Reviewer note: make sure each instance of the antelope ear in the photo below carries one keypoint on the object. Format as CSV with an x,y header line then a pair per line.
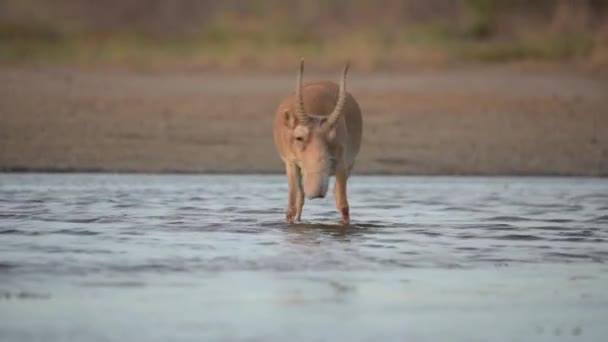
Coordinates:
x,y
289,120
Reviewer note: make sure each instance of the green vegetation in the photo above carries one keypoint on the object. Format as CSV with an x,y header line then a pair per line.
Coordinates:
x,y
484,14
551,48
271,37
465,45
33,42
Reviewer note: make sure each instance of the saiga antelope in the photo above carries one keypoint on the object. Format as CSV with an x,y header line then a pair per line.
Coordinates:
x,y
317,132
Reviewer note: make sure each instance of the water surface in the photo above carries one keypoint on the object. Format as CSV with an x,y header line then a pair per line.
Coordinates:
x,y
101,257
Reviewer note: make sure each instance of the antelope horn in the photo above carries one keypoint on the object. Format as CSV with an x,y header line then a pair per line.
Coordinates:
x,y
335,115
303,119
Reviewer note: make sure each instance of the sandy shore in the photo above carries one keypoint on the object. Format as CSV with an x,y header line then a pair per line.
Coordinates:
x,y
478,121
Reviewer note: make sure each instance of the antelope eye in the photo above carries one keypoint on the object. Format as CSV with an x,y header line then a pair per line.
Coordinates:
x,y
300,138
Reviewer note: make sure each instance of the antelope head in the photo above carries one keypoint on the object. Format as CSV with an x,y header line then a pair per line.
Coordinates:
x,y
313,139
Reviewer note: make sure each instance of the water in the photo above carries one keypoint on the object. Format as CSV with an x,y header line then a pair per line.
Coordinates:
x,y
191,258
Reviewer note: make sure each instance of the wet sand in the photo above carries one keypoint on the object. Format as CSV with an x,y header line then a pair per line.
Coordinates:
x,y
485,121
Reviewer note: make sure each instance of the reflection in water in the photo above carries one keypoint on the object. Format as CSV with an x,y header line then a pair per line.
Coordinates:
x,y
340,232
209,257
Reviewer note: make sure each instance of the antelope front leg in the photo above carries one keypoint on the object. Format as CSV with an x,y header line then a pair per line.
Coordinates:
x,y
300,198
292,180
340,192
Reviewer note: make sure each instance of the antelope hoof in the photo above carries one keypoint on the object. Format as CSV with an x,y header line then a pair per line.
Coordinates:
x,y
345,216
289,216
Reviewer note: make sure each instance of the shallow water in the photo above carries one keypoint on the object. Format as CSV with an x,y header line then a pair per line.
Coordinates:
x,y
156,258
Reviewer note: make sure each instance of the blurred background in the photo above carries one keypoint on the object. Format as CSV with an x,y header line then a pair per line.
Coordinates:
x,y
446,87
269,35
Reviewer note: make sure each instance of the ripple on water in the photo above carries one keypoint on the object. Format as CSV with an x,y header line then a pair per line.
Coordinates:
x,y
599,219
73,219
547,228
197,199
151,268
509,218
577,233
188,208
384,206
379,245
433,226
392,240
255,211
251,230
120,284
273,224
557,220
6,266
267,243
83,232
24,295
488,227
74,250
124,205
564,255
425,231
518,237
244,220
14,216
19,232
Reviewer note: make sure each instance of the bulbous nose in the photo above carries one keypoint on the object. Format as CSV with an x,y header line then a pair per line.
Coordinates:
x,y
315,185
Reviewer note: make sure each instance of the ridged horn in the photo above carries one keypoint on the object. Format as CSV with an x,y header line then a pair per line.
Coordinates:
x,y
303,119
335,115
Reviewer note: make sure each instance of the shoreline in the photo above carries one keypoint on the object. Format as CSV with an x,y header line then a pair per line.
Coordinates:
x,y
470,121
276,173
